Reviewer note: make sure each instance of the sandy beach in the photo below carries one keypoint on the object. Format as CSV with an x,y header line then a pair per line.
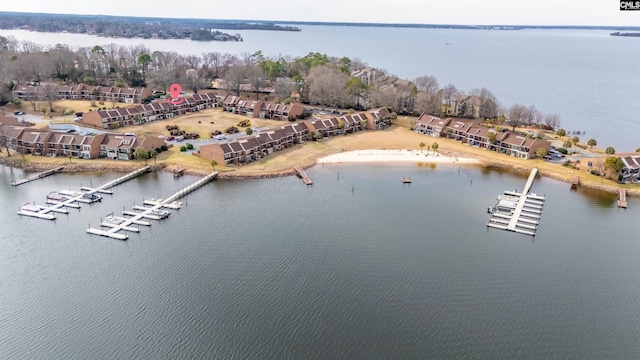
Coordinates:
x,y
375,156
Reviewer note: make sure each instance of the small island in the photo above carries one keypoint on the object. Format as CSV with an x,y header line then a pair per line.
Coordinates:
x,y
630,34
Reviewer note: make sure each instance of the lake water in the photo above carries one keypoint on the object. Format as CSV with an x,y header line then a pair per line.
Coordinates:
x,y
357,266
585,76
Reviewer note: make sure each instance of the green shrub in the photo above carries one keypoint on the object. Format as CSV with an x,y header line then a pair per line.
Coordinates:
x,y
158,150
189,146
183,148
562,150
595,172
164,148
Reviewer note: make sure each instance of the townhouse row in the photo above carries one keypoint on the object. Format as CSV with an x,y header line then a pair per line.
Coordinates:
x,y
468,132
82,92
156,110
263,109
630,171
252,148
39,142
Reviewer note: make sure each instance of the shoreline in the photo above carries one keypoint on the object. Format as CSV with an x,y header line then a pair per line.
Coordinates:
x,y
371,156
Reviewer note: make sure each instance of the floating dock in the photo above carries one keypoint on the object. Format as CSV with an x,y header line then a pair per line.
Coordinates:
x,y
406,180
147,212
622,198
89,195
518,212
303,175
37,176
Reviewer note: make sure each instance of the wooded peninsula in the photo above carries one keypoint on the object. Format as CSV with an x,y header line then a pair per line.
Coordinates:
x,y
134,27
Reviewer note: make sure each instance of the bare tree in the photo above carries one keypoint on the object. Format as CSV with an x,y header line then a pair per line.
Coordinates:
x,y
227,60
427,83
211,64
256,77
234,78
50,94
284,88
382,97
4,140
488,103
517,115
552,121
326,85
531,115
194,83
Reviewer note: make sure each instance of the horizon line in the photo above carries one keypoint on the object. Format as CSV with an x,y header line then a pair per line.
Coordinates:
x,y
337,23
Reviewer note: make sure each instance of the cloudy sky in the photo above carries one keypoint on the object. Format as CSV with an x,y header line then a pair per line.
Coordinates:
x,y
529,12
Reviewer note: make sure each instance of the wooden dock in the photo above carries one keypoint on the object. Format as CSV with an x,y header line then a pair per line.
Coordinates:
x,y
148,212
575,182
518,212
622,198
303,175
37,176
178,172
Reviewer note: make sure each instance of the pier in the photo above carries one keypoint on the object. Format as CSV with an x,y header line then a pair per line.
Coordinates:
x,y
118,181
37,176
622,199
154,211
303,175
518,211
178,172
72,198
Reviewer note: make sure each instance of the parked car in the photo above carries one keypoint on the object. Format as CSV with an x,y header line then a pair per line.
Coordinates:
x,y
170,138
547,157
19,113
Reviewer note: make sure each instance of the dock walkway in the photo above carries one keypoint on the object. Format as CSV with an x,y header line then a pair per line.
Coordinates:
x,y
522,216
148,212
44,212
37,176
303,175
622,198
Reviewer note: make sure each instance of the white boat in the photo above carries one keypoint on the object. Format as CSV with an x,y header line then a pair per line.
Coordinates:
x,y
57,197
113,220
31,208
70,193
92,196
160,213
86,197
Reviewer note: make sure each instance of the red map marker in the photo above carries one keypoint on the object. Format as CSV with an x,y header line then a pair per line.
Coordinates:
x,y
175,90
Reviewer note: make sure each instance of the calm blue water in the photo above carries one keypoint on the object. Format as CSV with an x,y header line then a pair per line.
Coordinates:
x,y
356,266
585,76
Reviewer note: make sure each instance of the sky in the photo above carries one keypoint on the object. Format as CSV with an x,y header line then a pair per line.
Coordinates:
x,y
471,12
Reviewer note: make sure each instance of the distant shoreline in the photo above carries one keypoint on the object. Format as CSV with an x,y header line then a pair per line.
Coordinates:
x,y
258,24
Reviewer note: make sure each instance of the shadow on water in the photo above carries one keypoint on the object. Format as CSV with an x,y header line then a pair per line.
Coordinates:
x,y
597,197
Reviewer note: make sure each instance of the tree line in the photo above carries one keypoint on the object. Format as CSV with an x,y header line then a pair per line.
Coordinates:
x,y
315,78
